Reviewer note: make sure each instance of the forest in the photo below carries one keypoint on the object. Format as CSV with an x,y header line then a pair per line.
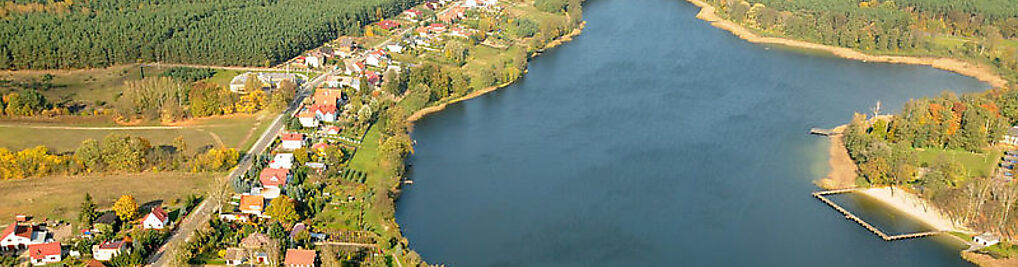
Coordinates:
x,y
85,34
982,30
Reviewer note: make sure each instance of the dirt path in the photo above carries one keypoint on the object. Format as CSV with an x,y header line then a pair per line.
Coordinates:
x,y
978,71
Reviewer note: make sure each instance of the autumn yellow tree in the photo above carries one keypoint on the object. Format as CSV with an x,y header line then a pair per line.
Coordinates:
x,y
282,209
252,102
126,208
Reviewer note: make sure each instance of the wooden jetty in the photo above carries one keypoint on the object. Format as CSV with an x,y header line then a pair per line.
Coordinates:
x,y
824,132
848,215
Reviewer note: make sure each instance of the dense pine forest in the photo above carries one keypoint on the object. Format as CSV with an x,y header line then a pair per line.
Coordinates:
x,y
983,30
43,34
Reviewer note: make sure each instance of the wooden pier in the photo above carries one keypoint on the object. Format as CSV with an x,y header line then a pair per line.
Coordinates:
x,y
848,215
824,132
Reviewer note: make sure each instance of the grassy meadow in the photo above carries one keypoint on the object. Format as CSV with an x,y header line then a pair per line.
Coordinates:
x,y
59,196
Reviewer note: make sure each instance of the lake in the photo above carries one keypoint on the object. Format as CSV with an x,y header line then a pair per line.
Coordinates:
x,y
654,139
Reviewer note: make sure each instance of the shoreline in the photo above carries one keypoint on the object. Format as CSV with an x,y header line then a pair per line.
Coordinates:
x,y
913,206
432,109
977,71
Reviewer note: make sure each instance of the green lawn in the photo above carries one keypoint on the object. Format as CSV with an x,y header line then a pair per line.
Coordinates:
x,y
60,196
977,164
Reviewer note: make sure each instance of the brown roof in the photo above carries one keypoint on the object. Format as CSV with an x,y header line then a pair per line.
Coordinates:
x,y
160,214
255,240
234,254
292,137
273,177
299,257
95,263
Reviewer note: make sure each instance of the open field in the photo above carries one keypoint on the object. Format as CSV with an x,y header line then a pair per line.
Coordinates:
x,y
85,85
233,131
59,196
976,164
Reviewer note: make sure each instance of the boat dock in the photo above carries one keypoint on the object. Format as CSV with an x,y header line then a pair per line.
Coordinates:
x,y
848,215
824,132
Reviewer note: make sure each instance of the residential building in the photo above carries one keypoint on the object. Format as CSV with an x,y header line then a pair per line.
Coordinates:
x,y
326,112
291,141
273,177
300,258
1011,138
388,24
235,256
20,236
307,118
254,244
109,249
252,204
45,253
986,239
282,160
157,219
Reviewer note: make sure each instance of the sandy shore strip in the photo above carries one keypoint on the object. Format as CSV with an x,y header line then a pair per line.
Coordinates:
x,y
910,204
428,110
978,71
842,174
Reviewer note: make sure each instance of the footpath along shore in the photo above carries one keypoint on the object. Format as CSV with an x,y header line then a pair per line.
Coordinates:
x,y
978,71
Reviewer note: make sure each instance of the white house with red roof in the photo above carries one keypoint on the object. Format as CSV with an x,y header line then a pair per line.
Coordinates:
x,y
292,141
333,130
273,180
325,112
282,160
157,219
45,253
109,249
307,118
413,14
19,236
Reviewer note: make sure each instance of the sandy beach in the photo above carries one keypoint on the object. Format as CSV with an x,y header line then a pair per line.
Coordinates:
x,y
910,204
978,71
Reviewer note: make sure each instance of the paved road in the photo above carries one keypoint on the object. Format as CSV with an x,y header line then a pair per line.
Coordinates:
x,y
205,210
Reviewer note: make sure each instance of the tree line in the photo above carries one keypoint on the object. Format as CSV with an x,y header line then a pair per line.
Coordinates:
x,y
224,32
114,153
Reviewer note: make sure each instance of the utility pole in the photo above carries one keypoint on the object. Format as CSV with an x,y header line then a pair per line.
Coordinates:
x,y
876,109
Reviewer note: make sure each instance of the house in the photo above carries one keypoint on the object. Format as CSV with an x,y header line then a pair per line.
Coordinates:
x,y
1011,138
157,219
109,219
234,217
252,204
272,177
394,48
318,167
374,78
307,118
346,45
292,141
479,3
326,112
282,160
95,263
300,258
235,256
374,60
333,130
986,239
313,61
254,244
20,236
437,27
388,24
460,32
45,253
109,249
268,80
413,14
328,96
453,14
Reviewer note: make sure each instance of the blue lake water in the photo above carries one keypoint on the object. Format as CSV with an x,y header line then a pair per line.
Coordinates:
x,y
655,139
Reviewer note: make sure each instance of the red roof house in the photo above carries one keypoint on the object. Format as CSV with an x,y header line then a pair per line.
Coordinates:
x,y
157,219
299,258
273,177
388,24
44,253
